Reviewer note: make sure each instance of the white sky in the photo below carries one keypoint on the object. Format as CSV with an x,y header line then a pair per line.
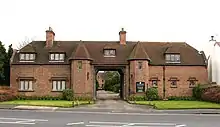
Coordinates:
x,y
191,21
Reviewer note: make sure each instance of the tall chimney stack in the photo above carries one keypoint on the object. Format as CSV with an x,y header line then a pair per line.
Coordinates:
x,y
49,37
122,37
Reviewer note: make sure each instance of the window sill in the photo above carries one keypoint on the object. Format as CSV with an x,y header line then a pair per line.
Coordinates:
x,y
54,61
30,61
26,90
155,86
57,91
109,56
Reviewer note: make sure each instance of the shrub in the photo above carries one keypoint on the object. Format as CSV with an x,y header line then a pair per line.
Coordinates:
x,y
68,94
137,98
152,94
197,92
187,98
211,94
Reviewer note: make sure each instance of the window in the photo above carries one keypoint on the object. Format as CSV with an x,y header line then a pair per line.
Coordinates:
x,y
109,53
173,58
27,57
57,57
139,65
173,82
154,83
87,75
58,85
26,85
192,81
80,65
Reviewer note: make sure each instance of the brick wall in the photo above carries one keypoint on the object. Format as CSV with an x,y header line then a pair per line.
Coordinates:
x,y
42,75
82,79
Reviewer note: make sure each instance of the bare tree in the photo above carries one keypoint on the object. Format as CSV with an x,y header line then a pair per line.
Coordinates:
x,y
25,42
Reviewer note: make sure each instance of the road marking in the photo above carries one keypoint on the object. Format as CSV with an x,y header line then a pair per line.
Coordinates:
x,y
20,121
69,124
126,124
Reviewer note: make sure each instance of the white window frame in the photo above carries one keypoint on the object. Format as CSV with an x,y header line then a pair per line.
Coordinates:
x,y
57,57
58,85
26,85
172,58
109,52
27,57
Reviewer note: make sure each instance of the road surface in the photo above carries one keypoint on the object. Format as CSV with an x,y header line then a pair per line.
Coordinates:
x,y
19,118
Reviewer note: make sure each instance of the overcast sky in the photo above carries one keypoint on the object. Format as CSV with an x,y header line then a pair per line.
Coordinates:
x,y
191,21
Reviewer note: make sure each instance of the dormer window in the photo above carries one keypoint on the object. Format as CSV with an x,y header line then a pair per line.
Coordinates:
x,y
109,52
172,58
27,57
57,57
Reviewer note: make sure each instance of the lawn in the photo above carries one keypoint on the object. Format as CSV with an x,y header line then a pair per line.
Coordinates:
x,y
180,104
54,103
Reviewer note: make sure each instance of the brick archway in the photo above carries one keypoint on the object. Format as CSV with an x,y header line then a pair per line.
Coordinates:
x,y
123,79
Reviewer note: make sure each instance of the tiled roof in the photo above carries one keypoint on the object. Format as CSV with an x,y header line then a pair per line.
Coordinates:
x,y
153,51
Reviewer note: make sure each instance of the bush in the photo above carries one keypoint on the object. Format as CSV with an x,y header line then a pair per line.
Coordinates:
x,y
7,94
137,98
211,94
23,97
152,94
187,98
197,92
68,94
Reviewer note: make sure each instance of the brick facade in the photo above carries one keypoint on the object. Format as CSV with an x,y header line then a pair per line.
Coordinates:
x,y
74,64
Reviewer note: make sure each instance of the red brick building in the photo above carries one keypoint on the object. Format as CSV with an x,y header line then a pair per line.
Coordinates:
x,y
47,67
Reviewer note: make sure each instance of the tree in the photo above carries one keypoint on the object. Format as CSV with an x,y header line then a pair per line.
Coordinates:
x,y
112,81
3,58
7,65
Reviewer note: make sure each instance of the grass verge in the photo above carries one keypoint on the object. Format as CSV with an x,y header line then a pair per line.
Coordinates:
x,y
180,104
52,103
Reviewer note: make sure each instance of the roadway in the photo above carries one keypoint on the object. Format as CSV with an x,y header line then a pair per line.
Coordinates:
x,y
37,118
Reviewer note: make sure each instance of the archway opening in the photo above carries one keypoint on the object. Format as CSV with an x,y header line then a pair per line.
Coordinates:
x,y
109,85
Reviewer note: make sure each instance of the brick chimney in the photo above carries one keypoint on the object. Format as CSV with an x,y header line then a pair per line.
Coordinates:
x,y
122,37
49,37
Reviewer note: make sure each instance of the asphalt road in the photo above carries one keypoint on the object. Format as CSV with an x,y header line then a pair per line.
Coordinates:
x,y
22,118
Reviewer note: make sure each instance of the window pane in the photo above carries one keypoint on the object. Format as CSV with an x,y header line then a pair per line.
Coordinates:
x,y
106,52
21,85
112,52
168,57
54,85
154,83
63,85
22,56
51,56
172,57
31,56
61,56
56,56
30,85
58,85
177,58
139,65
27,57
26,85
79,64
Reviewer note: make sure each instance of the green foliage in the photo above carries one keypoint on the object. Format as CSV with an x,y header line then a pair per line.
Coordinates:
x,y
197,92
97,84
23,97
68,94
186,98
112,81
5,64
152,94
137,98
211,94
